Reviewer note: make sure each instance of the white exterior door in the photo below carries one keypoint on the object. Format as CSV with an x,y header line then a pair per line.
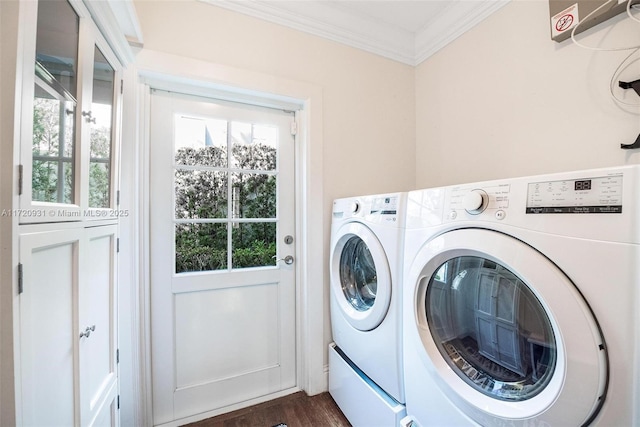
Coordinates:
x,y
222,214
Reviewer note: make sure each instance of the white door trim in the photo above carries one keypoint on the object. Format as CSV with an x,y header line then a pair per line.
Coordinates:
x,y
158,69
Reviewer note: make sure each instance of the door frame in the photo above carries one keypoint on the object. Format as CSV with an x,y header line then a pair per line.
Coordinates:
x,y
170,72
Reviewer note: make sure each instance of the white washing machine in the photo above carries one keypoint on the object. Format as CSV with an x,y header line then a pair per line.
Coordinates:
x,y
521,301
365,272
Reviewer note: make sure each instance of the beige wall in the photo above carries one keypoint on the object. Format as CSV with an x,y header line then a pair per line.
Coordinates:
x,y
369,107
504,100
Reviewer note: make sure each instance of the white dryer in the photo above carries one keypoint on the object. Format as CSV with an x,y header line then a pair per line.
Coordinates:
x,y
365,272
521,301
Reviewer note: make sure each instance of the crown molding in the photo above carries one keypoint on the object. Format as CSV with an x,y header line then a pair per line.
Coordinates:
x,y
329,21
118,22
323,20
456,20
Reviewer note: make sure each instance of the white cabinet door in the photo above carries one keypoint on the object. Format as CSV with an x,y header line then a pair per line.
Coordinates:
x,y
67,334
48,337
97,324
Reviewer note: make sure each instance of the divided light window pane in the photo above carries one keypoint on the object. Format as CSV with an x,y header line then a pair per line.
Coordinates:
x,y
254,195
253,146
55,102
200,194
200,142
201,247
254,245
101,132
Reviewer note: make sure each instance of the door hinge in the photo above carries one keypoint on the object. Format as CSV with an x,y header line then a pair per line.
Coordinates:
x,y
118,356
20,279
121,86
118,245
294,128
118,198
20,179
118,402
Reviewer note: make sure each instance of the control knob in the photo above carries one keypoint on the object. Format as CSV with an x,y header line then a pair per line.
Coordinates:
x,y
355,207
475,201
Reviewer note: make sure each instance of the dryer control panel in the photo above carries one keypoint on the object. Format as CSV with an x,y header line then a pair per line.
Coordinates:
x,y
379,209
383,209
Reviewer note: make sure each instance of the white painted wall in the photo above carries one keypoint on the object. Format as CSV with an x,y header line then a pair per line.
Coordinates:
x,y
368,101
504,100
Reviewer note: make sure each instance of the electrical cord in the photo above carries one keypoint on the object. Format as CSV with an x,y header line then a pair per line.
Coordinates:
x,y
586,18
626,63
629,6
616,74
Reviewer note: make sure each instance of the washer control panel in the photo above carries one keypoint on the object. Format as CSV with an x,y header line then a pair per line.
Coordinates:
x,y
491,199
576,196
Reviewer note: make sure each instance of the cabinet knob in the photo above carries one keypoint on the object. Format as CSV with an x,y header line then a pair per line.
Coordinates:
x,y
88,117
87,331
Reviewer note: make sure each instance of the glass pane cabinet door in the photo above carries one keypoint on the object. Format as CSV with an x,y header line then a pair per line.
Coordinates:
x,y
53,143
101,119
68,168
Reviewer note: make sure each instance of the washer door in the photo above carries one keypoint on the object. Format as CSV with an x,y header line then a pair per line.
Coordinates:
x,y
360,276
506,335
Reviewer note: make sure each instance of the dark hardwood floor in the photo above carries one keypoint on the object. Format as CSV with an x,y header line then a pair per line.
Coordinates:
x,y
294,410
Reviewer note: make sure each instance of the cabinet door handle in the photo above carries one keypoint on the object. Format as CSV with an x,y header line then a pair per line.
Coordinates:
x,y
87,331
88,117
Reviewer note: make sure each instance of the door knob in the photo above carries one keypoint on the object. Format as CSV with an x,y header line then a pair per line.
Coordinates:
x,y
287,260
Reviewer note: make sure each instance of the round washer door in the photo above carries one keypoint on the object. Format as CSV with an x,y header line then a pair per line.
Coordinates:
x,y
506,335
360,276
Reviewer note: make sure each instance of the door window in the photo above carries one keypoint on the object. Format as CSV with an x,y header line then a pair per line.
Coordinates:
x,y
225,194
490,328
358,275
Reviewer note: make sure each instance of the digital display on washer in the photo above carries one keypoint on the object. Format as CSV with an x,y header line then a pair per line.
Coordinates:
x,y
579,196
582,185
